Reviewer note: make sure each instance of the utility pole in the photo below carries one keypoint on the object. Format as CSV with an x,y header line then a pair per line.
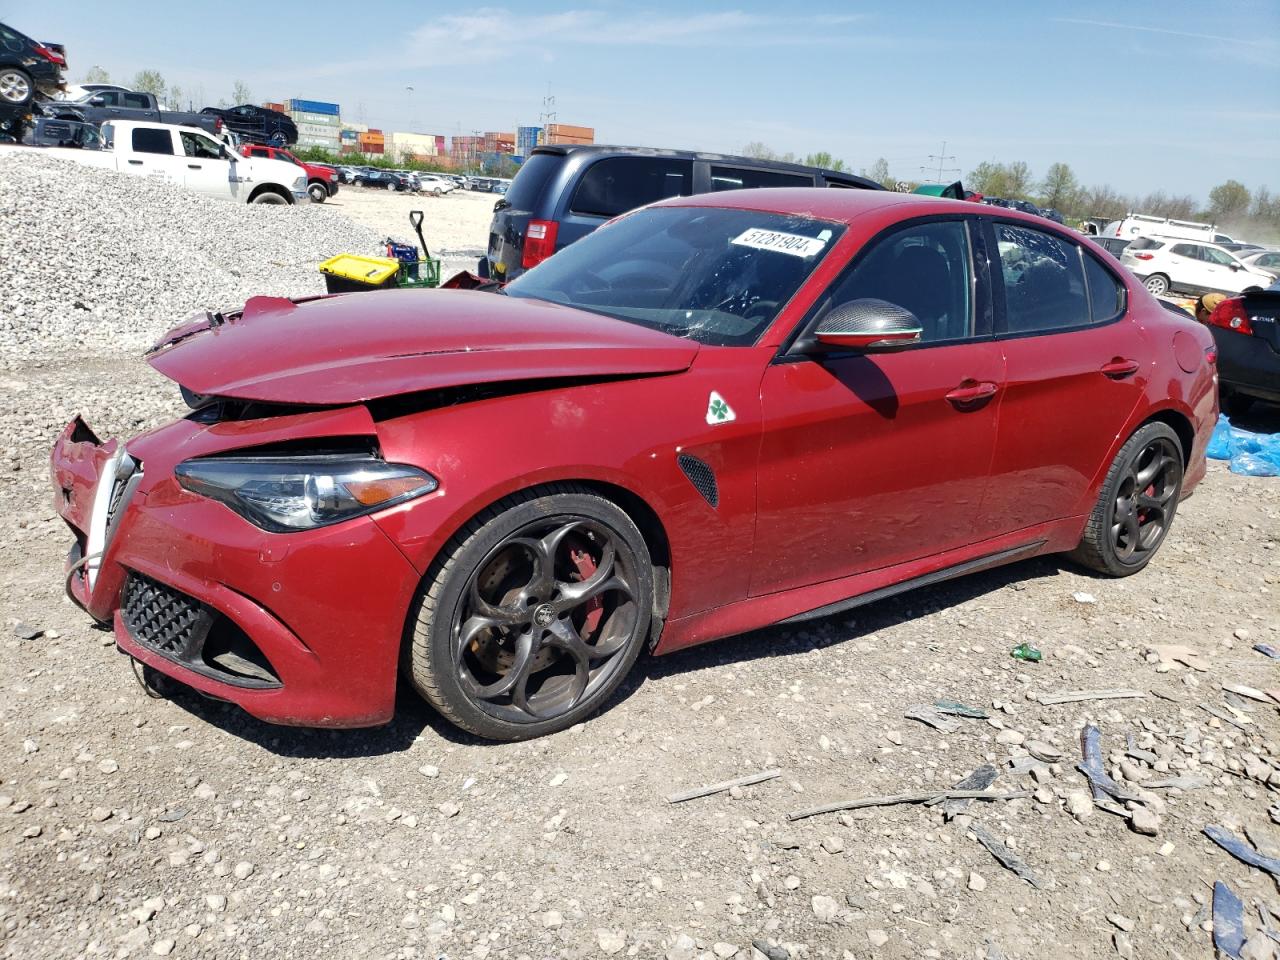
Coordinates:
x,y
942,159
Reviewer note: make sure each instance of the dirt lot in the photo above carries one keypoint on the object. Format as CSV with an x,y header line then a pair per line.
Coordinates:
x,y
177,826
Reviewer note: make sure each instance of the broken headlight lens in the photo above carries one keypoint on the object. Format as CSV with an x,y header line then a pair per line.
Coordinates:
x,y
281,494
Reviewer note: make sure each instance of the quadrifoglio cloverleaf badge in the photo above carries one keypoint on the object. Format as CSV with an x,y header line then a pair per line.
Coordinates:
x,y
718,410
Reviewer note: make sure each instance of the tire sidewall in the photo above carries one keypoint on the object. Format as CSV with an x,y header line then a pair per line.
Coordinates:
x,y
31,89
1132,447
1164,282
473,552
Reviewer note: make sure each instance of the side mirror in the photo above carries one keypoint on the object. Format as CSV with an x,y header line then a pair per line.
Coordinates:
x,y
97,101
867,324
1235,267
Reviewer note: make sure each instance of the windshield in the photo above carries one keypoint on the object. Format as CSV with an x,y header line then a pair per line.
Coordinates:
x,y
716,276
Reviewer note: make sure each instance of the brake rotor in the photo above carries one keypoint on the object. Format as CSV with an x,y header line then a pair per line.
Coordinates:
x,y
494,649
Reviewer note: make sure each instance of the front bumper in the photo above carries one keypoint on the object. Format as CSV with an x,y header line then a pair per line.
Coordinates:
x,y
1247,364
319,614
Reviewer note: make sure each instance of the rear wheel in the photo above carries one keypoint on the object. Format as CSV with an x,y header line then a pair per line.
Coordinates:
x,y
1157,283
532,615
1136,505
16,88
391,185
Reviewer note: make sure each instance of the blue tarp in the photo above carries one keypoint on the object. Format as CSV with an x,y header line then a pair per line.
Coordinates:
x,y
1253,454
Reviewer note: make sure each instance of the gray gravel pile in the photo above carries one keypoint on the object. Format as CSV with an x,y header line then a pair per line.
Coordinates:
x,y
96,262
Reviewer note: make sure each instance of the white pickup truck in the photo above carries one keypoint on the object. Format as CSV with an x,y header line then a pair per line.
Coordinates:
x,y
190,157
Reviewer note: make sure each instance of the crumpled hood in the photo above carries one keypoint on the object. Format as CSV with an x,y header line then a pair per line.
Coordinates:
x,y
357,347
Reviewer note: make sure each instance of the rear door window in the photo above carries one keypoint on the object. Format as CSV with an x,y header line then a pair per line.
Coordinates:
x,y
151,140
745,178
618,184
1044,287
1186,250
137,101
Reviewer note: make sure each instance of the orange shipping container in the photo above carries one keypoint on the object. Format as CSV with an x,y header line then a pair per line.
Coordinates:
x,y
568,130
277,107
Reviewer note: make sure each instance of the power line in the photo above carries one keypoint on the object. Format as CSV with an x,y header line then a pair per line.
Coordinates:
x,y
942,158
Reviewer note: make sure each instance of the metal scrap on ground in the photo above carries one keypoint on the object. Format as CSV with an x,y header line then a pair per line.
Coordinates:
x,y
746,781
1240,690
960,709
1176,783
1007,857
1228,920
932,717
1075,696
1225,717
1241,850
936,796
1267,650
1099,781
1176,653
979,779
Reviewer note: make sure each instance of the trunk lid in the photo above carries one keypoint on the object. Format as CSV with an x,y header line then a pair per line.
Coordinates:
x,y
357,347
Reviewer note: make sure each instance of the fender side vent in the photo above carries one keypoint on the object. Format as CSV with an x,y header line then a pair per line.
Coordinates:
x,y
701,476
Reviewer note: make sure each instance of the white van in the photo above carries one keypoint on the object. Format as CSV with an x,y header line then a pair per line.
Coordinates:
x,y
1140,225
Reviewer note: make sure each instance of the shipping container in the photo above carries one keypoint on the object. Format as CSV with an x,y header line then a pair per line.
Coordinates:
x,y
318,130
371,148
319,119
370,137
568,130
350,135
277,107
314,106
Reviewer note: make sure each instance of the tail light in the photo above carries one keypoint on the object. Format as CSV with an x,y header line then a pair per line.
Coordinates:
x,y
539,242
50,55
1211,354
1231,315
1143,256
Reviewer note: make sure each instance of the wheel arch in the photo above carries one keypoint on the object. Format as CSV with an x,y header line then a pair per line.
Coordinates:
x,y
1180,423
1176,419
271,188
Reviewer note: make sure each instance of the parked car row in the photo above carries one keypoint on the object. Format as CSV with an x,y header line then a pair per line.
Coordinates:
x,y
404,181
1169,264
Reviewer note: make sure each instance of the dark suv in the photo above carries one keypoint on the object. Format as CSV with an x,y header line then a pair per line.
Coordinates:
x,y
258,125
562,193
28,68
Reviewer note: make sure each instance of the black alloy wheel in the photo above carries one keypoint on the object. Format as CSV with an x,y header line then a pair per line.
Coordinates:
x,y
533,618
1136,505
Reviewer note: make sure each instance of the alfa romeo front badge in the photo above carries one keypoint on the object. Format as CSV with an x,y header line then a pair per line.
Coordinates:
x,y
718,411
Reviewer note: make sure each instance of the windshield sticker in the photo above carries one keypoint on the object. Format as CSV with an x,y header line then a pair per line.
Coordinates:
x,y
718,411
791,243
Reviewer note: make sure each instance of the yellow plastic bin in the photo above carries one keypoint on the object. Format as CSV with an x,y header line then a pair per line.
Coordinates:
x,y
351,273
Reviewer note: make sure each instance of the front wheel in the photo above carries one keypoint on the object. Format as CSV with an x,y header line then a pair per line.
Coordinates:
x,y
1136,504
1158,284
319,193
16,88
270,197
532,615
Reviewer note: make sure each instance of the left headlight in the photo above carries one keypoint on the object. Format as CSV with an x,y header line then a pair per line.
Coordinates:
x,y
281,494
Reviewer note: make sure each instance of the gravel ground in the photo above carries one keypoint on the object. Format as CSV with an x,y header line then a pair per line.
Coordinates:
x,y
178,826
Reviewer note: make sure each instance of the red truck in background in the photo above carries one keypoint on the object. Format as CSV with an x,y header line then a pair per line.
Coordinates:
x,y
322,182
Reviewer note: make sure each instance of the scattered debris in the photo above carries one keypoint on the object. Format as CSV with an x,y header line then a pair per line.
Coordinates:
x,y
1171,653
24,631
1267,650
960,710
1005,856
746,781
771,951
979,779
1176,783
1241,850
1081,597
1226,717
1043,751
936,796
1144,821
930,716
1228,920
1250,693
1099,781
1026,652
1075,696
173,816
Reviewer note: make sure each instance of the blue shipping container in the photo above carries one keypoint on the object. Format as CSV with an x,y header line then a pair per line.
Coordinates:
x,y
314,106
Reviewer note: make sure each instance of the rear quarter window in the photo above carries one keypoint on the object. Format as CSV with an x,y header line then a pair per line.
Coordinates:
x,y
1106,293
618,184
1145,243
531,179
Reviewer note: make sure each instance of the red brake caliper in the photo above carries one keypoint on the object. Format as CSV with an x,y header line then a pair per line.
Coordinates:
x,y
595,606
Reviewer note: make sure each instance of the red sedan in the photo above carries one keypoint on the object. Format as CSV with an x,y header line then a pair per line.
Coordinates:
x,y
713,414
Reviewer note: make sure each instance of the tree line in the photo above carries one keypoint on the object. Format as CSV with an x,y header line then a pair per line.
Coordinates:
x,y
1060,189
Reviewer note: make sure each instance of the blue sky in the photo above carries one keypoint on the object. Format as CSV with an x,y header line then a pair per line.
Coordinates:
x,y
1177,102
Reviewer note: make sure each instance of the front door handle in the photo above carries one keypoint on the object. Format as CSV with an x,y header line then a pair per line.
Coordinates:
x,y
1120,367
972,392
194,166
136,163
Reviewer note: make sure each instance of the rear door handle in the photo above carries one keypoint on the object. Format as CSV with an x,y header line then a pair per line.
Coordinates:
x,y
194,166
1120,367
972,391
136,163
